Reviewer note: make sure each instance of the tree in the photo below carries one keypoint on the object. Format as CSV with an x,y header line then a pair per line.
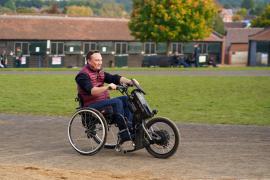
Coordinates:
x,y
227,6
53,9
4,10
78,11
240,15
263,20
242,12
218,25
29,3
237,18
127,4
248,4
10,4
112,10
24,10
171,20
259,7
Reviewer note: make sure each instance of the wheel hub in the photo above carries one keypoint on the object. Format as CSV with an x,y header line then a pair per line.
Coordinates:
x,y
162,137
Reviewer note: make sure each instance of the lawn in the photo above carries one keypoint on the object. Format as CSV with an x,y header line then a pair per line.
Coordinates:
x,y
229,68
214,100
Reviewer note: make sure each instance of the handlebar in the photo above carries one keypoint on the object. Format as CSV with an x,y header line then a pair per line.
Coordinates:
x,y
124,87
120,87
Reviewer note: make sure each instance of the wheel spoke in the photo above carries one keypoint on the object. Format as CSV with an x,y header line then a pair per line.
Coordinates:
x,y
87,131
165,136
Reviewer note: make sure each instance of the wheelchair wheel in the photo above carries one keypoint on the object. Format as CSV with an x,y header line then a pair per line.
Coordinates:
x,y
87,131
165,137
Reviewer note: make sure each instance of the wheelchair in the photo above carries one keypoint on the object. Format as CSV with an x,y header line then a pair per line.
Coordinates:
x,y
90,130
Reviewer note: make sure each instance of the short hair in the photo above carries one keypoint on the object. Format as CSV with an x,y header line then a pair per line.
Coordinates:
x,y
90,53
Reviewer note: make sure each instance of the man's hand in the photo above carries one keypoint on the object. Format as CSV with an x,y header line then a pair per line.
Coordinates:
x,y
124,80
128,81
136,81
112,86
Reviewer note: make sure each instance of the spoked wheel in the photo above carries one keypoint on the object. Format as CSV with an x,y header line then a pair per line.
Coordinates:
x,y
87,131
165,137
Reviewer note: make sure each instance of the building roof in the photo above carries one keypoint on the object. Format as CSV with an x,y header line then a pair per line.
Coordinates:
x,y
214,37
14,27
234,25
263,35
63,28
240,35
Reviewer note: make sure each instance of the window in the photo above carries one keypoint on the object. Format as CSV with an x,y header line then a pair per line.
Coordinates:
x,y
135,47
57,48
214,48
177,47
106,47
3,44
24,47
263,46
121,48
90,46
203,48
150,48
161,48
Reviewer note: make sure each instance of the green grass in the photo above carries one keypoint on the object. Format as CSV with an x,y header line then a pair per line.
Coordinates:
x,y
145,69
214,100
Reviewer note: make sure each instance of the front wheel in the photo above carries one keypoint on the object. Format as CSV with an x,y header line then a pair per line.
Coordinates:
x,y
165,137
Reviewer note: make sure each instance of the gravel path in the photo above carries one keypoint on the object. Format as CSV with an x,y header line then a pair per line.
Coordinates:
x,y
205,152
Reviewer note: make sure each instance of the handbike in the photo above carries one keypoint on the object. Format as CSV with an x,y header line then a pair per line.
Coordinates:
x,y
90,130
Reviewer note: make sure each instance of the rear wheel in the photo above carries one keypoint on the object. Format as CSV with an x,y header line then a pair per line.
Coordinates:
x,y
87,131
165,137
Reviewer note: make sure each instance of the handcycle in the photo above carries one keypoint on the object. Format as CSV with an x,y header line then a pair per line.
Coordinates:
x,y
90,130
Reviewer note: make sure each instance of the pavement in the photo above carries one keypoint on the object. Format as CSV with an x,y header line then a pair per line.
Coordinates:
x,y
205,151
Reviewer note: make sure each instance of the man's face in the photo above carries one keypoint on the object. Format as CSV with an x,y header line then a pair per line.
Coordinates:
x,y
95,61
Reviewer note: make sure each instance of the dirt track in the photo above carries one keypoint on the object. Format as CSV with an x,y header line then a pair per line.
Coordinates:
x,y
37,147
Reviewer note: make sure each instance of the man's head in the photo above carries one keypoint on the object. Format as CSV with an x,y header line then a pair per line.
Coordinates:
x,y
94,60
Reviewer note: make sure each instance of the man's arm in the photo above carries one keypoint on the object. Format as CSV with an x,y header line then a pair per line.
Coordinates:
x,y
125,81
98,90
84,82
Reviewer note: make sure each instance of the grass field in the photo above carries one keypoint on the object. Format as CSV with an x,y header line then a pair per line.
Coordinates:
x,y
215,100
229,68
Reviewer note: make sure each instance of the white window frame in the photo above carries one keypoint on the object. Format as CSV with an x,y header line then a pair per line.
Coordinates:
x,y
57,43
205,46
177,47
121,48
150,43
90,46
21,45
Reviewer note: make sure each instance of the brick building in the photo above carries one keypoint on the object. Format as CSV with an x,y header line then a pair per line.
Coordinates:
x,y
237,40
259,48
59,41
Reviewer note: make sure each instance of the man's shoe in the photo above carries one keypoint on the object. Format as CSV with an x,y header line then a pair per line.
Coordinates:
x,y
123,136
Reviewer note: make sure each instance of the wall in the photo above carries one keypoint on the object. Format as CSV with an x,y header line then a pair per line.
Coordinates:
x,y
238,54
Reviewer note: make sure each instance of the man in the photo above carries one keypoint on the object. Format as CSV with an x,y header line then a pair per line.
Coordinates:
x,y
18,58
94,93
196,55
3,58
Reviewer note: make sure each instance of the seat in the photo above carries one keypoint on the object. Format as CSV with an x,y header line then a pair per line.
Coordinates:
x,y
107,111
